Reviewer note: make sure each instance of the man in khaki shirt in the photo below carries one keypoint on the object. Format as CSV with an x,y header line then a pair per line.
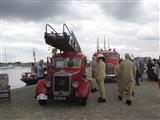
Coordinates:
x,y
128,75
90,78
93,67
100,76
118,75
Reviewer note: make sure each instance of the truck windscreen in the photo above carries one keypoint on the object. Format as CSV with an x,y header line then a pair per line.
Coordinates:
x,y
66,62
111,56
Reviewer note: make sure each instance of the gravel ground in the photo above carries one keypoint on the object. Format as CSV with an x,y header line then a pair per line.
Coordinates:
x,y
146,106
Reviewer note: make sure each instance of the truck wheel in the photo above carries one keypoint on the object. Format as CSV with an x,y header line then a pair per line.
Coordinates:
x,y
42,102
83,101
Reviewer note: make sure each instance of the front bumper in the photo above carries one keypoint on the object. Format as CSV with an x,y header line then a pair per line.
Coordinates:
x,y
42,97
110,75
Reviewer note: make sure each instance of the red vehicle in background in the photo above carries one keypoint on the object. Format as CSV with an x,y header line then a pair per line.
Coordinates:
x,y
65,70
111,60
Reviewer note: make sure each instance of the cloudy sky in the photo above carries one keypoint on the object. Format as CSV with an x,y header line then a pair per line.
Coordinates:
x,y
131,26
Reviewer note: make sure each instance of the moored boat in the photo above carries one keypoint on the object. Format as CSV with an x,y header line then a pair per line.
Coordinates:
x,y
29,78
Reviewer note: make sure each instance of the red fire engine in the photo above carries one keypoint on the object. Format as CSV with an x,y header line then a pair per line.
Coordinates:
x,y
65,77
111,60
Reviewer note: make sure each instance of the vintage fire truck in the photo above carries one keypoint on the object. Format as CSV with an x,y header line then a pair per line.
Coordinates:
x,y
112,58
65,79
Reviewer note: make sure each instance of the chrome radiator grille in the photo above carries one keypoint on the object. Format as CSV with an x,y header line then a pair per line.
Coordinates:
x,y
109,69
61,83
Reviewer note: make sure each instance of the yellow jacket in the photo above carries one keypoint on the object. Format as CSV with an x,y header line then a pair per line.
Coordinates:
x,y
93,67
88,73
117,71
100,70
128,70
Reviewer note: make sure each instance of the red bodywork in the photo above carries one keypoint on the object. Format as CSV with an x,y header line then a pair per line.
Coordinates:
x,y
74,74
40,88
111,60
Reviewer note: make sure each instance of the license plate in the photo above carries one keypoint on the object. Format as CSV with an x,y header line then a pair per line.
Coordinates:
x,y
59,98
42,97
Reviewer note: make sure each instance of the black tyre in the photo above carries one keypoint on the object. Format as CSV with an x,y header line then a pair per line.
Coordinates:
x,y
42,102
83,101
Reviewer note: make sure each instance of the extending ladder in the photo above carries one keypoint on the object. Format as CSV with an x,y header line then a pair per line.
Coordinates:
x,y
65,41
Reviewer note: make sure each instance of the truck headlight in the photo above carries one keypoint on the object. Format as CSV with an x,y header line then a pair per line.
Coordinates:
x,y
75,84
47,84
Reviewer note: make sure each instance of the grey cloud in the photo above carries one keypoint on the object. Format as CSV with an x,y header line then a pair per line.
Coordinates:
x,y
148,34
121,10
36,10
155,38
130,11
54,10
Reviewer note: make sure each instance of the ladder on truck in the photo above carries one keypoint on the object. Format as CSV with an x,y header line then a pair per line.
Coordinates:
x,y
65,41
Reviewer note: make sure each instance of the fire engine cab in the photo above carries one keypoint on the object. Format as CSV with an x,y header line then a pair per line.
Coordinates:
x,y
111,60
65,77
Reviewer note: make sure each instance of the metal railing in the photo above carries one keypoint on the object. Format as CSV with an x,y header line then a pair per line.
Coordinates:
x,y
66,33
65,26
54,32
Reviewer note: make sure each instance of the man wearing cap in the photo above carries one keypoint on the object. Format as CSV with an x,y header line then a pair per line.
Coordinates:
x,y
128,75
100,76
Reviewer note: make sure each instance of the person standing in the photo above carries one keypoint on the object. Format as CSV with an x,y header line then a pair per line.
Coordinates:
x,y
138,72
141,68
90,78
158,73
100,76
40,70
118,74
150,70
128,75
93,68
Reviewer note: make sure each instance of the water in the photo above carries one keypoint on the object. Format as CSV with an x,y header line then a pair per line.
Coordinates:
x,y
15,76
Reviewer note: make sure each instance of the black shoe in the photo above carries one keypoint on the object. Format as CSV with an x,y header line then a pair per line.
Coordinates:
x,y
128,102
96,90
101,100
93,90
120,98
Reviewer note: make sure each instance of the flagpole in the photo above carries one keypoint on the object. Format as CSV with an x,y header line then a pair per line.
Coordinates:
x,y
104,43
34,55
98,44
